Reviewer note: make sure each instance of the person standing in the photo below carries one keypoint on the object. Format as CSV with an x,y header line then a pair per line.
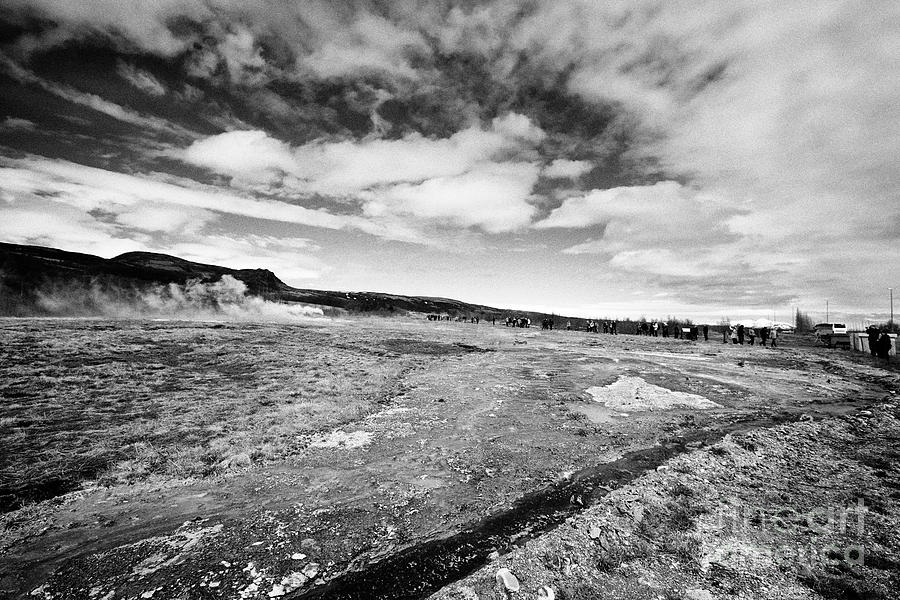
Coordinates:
x,y
734,335
706,333
751,335
872,332
740,335
773,335
884,346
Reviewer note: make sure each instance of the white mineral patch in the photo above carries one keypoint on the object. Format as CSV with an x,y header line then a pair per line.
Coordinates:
x,y
635,394
342,439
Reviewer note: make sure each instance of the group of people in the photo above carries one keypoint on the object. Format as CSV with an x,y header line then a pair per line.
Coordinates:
x,y
610,327
458,319
879,342
738,334
519,322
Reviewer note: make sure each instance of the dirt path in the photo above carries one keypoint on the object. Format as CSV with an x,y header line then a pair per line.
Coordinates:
x,y
448,426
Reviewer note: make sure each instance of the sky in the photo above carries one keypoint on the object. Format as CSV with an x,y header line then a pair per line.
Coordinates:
x,y
700,159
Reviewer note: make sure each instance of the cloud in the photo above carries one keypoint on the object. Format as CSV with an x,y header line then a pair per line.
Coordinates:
x,y
64,227
369,44
475,178
250,156
141,24
291,259
15,123
93,101
346,167
90,188
562,168
140,79
164,218
666,212
493,197
771,128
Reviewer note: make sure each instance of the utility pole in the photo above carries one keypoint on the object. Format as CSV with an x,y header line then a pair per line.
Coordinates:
x,y
826,312
891,322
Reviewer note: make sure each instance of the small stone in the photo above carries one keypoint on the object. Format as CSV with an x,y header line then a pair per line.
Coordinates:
x,y
311,570
546,593
510,582
298,556
595,532
698,594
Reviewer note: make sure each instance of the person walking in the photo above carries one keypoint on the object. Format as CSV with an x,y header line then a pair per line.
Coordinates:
x,y
706,333
773,335
741,335
751,335
734,335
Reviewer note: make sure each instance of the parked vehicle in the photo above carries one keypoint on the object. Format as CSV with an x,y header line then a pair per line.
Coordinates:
x,y
830,328
832,335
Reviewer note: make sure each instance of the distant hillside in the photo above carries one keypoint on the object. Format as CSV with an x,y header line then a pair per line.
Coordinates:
x,y
28,272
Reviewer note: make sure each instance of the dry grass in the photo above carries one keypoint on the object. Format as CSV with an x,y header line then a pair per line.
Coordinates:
x,y
126,401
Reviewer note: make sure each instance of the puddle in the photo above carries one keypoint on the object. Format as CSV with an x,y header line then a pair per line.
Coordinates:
x,y
629,394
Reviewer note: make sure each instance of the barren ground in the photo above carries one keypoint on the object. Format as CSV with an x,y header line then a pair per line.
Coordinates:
x,y
388,458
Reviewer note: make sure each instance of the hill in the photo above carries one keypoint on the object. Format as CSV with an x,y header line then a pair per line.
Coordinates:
x,y
28,273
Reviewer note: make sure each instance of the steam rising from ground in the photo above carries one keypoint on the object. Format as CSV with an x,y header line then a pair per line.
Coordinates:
x,y
225,299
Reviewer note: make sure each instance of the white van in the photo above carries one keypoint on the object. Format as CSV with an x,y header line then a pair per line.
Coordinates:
x,y
830,329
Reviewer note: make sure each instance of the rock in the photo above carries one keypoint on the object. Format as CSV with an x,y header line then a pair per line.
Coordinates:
x,y
546,593
495,555
507,579
698,594
311,570
595,532
298,556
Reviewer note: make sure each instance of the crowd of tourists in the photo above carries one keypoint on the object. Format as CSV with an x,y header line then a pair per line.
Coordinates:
x,y
738,334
